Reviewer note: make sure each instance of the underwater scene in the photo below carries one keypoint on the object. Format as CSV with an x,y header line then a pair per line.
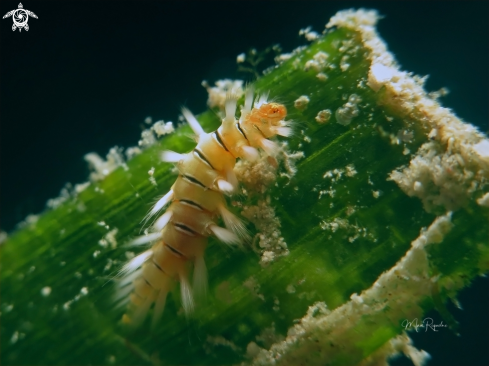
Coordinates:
x,y
244,183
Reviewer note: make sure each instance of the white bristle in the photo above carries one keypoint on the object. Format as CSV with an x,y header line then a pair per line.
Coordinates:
x,y
233,223
270,147
122,294
162,202
200,277
224,235
162,221
171,156
248,102
261,100
135,263
186,293
141,312
231,178
192,121
144,239
230,108
158,308
249,153
283,131
224,186
125,281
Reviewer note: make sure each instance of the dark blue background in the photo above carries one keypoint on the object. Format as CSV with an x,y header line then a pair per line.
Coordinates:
x,y
86,74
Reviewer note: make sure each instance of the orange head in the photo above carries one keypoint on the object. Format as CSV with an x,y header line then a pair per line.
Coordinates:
x,y
268,119
272,113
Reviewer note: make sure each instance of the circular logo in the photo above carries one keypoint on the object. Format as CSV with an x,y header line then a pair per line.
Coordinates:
x,y
20,18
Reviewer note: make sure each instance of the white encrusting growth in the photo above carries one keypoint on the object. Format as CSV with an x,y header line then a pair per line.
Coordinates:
x,y
161,128
441,178
217,94
482,149
318,63
280,59
67,192
309,34
150,136
323,116
29,221
132,151
396,291
46,291
240,58
484,200
322,76
301,102
100,167
109,238
152,179
257,176
345,114
455,164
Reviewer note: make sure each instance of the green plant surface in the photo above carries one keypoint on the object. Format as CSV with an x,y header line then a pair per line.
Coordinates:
x,y
376,222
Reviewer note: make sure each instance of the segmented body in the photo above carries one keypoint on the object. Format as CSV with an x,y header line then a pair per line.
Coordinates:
x,y
196,200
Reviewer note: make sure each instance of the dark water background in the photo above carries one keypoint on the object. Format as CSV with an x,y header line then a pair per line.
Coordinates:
x,y
86,74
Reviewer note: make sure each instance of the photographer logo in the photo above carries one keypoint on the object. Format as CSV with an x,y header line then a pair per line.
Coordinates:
x,y
20,17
